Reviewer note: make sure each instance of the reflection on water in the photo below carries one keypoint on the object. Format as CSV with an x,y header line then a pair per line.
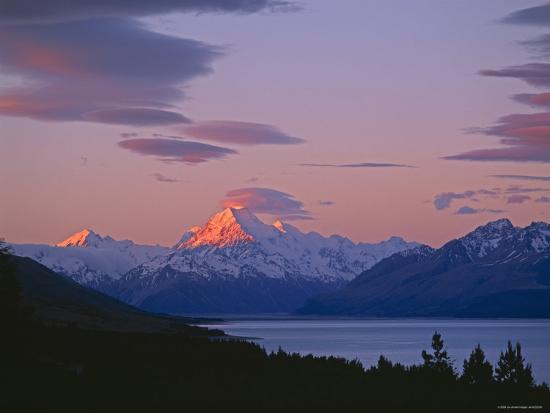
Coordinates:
x,y
401,340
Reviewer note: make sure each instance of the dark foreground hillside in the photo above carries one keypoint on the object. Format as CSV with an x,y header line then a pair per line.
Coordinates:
x,y
47,368
75,370
57,300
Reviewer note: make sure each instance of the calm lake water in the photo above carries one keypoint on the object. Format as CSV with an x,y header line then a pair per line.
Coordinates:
x,y
401,340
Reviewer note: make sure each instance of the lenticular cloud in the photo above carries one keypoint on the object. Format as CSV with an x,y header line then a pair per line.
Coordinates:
x,y
112,71
267,201
173,150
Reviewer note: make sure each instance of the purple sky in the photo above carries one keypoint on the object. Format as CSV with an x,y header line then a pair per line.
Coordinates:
x,y
146,119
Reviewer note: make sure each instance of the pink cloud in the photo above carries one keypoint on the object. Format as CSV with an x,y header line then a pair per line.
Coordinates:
x,y
71,73
466,210
517,199
171,150
267,201
526,136
534,74
534,99
241,133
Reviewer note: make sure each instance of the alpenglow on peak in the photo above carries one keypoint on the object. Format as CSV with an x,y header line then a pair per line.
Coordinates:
x,y
84,238
230,227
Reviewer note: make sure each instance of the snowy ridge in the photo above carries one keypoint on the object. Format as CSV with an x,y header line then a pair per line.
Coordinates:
x,y
233,243
487,238
537,236
237,263
235,240
421,250
89,258
502,238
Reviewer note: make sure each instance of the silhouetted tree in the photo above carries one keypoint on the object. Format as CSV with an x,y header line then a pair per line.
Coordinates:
x,y
439,361
384,364
10,292
13,313
511,368
477,369
6,263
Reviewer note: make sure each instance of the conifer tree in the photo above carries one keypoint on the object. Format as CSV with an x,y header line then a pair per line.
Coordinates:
x,y
477,369
439,361
511,368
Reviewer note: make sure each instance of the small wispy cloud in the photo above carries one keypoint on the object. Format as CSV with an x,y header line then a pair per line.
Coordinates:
x,y
466,210
533,99
444,199
163,178
358,165
517,189
325,203
514,194
136,117
535,16
172,150
522,177
524,136
534,74
517,199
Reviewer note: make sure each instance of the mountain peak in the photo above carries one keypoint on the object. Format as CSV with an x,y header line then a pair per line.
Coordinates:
x,y
230,227
493,228
84,238
280,226
539,226
499,224
488,237
89,238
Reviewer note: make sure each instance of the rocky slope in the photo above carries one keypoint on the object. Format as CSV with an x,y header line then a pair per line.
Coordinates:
x,y
497,270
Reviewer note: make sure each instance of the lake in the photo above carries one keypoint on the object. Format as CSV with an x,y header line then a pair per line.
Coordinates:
x,y
401,340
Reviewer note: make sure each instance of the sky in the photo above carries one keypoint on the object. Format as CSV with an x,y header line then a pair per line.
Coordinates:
x,y
421,119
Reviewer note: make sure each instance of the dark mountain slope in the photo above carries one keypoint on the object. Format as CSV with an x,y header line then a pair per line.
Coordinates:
x,y
495,271
57,300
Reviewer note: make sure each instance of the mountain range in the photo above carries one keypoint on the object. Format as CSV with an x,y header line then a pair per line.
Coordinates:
x,y
89,258
497,270
235,263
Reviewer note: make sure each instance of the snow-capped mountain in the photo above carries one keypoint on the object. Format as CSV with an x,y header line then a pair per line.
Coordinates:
x,y
495,270
234,238
237,263
234,263
89,258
